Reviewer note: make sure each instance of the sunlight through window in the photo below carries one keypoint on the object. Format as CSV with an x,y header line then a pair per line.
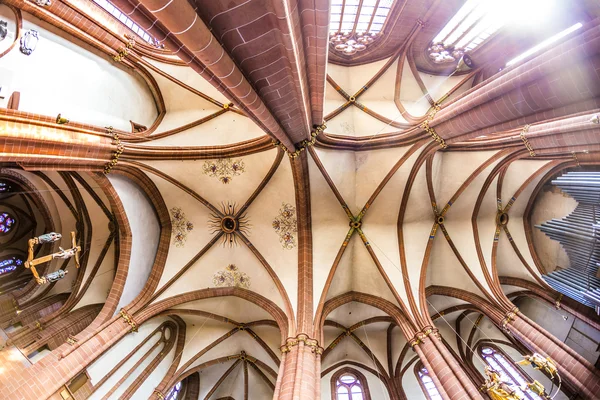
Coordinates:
x,y
477,20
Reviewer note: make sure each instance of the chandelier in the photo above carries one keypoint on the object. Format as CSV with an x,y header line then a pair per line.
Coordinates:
x,y
349,43
441,54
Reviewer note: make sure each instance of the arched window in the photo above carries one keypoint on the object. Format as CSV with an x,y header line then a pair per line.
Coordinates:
x,y
509,372
174,393
426,383
7,222
355,24
349,384
9,264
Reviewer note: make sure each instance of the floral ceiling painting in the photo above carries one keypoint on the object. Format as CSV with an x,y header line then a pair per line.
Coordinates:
x,y
231,276
180,226
224,169
284,225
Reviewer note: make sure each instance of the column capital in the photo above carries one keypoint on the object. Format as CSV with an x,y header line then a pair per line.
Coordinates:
x,y
302,338
509,317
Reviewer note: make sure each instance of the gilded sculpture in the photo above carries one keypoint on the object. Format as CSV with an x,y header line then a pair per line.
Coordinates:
x,y
62,254
498,389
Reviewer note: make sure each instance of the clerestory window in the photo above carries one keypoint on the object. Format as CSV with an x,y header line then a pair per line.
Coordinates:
x,y
355,24
476,21
135,28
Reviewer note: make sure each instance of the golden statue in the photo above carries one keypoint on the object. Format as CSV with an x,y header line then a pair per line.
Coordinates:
x,y
63,254
538,389
538,361
497,388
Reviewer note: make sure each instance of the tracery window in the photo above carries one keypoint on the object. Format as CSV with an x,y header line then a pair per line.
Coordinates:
x,y
7,222
349,386
174,393
427,383
355,24
9,264
135,28
501,363
475,22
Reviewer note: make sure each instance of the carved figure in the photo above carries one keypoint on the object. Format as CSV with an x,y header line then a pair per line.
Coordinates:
x,y
538,361
538,389
3,30
54,276
62,254
497,388
48,237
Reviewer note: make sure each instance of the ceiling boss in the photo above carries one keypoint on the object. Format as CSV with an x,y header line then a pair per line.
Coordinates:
x,y
62,254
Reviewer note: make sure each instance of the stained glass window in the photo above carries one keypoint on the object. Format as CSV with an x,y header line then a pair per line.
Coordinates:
x,y
174,393
5,187
355,24
7,222
349,387
9,264
507,370
427,383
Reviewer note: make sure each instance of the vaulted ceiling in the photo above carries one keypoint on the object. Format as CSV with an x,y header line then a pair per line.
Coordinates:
x,y
253,233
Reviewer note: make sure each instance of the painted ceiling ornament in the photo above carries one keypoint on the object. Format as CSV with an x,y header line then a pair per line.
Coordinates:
x,y
285,226
3,30
181,226
29,42
229,222
224,169
231,276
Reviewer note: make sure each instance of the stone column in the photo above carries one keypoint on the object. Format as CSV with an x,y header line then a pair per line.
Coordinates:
x,y
300,371
450,379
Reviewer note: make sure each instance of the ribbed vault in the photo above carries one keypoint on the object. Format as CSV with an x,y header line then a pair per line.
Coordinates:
x,y
284,212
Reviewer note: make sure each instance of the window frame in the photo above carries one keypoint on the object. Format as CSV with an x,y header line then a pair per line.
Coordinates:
x,y
118,15
484,344
419,366
360,378
360,30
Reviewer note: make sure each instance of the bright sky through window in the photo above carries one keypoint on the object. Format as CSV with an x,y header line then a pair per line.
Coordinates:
x,y
477,20
115,12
